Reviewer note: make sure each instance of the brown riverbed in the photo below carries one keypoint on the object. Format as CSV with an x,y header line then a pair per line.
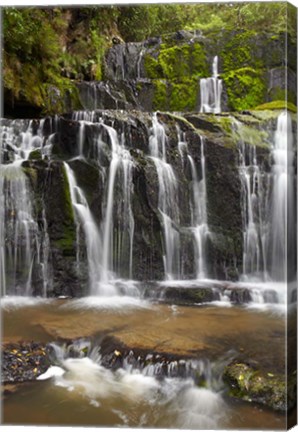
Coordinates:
x,y
199,332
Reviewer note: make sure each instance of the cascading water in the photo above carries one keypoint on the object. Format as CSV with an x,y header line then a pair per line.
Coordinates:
x,y
268,209
167,199
255,198
24,241
210,90
112,255
198,204
86,220
120,175
139,63
199,214
282,239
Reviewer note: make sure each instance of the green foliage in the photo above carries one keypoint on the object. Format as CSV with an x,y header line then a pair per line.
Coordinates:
x,y
245,88
37,65
46,49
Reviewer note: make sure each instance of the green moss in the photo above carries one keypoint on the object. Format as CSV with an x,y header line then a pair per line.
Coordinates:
x,y
182,61
183,96
32,174
277,105
239,52
160,99
252,385
152,67
283,94
176,62
60,97
245,88
67,241
35,155
252,136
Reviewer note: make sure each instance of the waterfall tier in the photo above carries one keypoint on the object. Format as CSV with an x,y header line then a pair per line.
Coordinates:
x,y
97,200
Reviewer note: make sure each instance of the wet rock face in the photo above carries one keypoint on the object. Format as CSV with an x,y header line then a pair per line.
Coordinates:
x,y
54,214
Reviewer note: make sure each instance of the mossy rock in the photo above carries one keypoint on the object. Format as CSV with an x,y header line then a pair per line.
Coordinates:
x,y
35,155
252,385
277,105
189,296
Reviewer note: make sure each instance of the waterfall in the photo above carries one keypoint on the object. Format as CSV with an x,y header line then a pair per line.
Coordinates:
x,y
109,246
210,90
23,241
198,203
199,214
268,205
282,238
167,199
139,63
255,188
119,206
85,220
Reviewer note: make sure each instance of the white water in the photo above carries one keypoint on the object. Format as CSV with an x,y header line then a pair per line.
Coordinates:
x,y
210,90
139,63
268,206
167,199
198,203
199,214
85,220
255,185
120,175
23,244
188,405
110,244
282,238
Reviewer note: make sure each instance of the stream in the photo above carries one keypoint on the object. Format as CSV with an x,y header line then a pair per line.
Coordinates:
x,y
82,391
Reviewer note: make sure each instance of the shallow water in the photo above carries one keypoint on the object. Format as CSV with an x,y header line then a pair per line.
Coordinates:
x,y
83,392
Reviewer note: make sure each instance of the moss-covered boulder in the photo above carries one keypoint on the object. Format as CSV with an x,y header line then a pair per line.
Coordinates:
x,y
273,390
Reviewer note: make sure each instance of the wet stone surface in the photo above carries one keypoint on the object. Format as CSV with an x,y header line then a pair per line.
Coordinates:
x,y
23,362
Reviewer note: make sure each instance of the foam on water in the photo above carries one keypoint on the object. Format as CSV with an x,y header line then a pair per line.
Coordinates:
x,y
115,303
15,302
191,407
